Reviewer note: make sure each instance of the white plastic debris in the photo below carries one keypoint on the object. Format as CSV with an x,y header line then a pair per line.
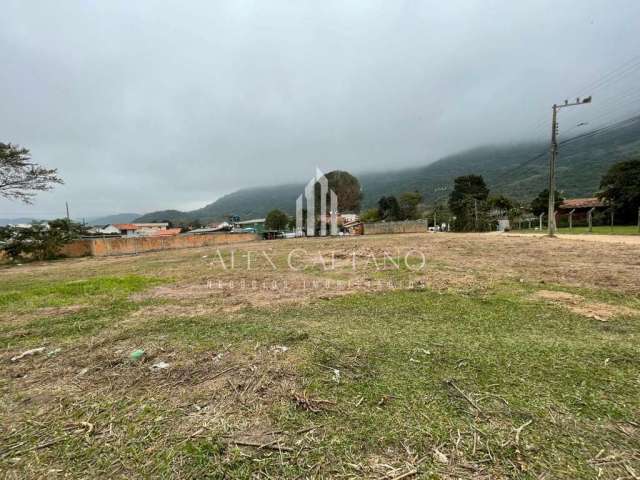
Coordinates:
x,y
28,353
279,349
336,375
53,352
159,366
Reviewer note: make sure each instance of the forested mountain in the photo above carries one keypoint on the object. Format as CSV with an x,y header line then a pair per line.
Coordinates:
x,y
519,171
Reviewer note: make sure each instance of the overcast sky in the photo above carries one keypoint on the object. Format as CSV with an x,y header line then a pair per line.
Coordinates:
x,y
151,105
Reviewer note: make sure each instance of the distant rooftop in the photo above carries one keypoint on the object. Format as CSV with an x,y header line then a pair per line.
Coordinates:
x,y
571,203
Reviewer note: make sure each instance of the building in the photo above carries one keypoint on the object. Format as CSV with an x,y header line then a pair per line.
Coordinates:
x,y
140,229
349,217
104,230
580,207
255,225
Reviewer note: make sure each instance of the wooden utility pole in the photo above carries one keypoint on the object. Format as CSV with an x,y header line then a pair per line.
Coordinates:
x,y
67,205
638,219
475,209
551,221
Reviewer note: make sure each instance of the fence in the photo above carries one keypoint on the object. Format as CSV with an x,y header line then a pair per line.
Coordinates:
x,y
104,247
395,227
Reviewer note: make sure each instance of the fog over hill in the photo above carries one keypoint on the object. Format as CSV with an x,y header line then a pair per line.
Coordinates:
x,y
519,171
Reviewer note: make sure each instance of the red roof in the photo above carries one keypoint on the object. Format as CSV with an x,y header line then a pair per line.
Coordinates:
x,y
581,203
125,226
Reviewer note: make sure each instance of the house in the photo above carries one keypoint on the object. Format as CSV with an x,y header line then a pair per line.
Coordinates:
x,y
125,229
582,203
104,230
580,207
255,225
140,229
349,217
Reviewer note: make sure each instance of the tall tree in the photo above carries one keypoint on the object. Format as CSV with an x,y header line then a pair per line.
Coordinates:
x,y
276,220
468,202
620,188
540,204
409,202
389,208
347,189
20,178
501,204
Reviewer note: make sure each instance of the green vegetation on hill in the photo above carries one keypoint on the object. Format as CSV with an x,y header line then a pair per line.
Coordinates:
x,y
518,171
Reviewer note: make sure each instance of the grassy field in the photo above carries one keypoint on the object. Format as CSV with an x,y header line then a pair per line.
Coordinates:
x,y
597,230
505,357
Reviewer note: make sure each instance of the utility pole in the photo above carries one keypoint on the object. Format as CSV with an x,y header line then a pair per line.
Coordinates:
x,y
551,222
475,208
67,205
638,219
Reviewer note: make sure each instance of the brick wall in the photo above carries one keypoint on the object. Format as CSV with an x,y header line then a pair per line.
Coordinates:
x,y
395,227
102,247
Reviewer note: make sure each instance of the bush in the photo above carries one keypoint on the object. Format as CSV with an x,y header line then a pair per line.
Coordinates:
x,y
39,241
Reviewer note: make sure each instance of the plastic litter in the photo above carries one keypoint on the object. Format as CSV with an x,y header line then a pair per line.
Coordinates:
x,y
137,355
159,366
279,349
28,353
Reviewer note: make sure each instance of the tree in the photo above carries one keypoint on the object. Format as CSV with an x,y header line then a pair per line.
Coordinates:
x,y
347,189
388,208
501,204
409,202
540,204
620,188
20,178
39,241
370,215
468,203
276,220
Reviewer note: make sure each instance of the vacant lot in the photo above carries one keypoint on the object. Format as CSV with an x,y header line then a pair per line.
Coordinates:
x,y
504,357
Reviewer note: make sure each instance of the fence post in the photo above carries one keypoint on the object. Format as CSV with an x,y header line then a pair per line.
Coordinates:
x,y
612,211
541,215
590,219
638,219
571,220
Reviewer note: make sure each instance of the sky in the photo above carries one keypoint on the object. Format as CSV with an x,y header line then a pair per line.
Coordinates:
x,y
151,105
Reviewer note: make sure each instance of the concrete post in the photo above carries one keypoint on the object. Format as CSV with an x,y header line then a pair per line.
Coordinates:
x,y
571,220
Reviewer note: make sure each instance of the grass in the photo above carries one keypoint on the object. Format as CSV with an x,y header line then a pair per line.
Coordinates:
x,y
596,230
437,384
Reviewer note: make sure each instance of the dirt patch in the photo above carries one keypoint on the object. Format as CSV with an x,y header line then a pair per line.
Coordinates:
x,y
580,305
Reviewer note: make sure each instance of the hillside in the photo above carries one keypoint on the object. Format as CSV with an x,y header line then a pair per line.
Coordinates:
x,y
116,218
519,171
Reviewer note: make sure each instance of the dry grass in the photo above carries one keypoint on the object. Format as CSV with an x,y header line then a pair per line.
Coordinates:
x,y
491,363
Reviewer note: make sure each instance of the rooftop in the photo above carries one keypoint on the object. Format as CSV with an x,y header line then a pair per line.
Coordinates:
x,y
571,203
